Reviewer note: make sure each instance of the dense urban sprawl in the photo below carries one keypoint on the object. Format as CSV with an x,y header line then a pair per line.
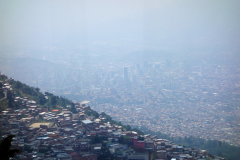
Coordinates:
x,y
178,98
50,134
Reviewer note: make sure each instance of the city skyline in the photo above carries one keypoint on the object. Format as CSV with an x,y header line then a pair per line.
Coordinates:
x,y
171,67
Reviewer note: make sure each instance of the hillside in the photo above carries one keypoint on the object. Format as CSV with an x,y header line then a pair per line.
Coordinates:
x,y
15,90
15,95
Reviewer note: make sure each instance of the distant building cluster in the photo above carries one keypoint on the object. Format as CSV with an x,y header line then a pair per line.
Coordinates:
x,y
178,98
60,134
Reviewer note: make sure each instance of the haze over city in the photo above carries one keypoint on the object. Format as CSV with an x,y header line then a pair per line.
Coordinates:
x,y
169,66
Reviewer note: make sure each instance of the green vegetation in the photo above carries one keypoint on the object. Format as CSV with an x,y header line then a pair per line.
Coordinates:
x,y
211,146
124,140
19,89
2,95
23,90
90,112
105,153
98,139
8,102
3,104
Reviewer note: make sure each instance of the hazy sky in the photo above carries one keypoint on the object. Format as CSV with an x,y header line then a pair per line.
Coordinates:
x,y
139,24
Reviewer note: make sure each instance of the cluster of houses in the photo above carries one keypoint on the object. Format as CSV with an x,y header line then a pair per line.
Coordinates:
x,y
5,88
70,137
61,135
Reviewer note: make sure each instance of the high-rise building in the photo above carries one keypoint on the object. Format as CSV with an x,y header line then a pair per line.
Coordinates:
x,y
125,72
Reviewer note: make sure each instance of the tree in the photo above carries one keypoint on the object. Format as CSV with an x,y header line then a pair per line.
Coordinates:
x,y
10,98
5,148
2,95
97,139
54,100
124,139
73,109
105,153
42,99
128,128
37,89
19,85
95,114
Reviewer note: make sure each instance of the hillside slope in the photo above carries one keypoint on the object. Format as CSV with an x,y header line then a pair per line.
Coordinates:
x,y
15,90
11,91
